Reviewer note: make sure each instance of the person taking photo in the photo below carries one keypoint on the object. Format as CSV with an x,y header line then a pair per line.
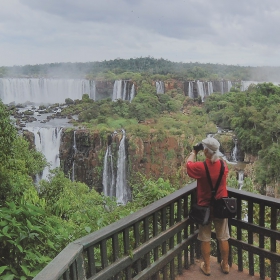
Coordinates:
x,y
196,170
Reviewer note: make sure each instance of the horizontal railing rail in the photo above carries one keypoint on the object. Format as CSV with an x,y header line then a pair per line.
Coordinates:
x,y
159,241
255,234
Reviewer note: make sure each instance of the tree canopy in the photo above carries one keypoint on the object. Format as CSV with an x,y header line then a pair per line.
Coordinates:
x,y
254,117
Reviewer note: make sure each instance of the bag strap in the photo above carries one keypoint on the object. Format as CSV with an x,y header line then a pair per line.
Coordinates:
x,y
214,190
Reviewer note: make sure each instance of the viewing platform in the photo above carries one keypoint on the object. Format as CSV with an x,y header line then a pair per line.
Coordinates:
x,y
194,273
160,242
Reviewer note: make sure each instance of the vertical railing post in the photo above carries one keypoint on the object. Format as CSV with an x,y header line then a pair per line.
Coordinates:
x,y
261,239
250,238
164,248
81,267
186,251
273,225
239,235
179,235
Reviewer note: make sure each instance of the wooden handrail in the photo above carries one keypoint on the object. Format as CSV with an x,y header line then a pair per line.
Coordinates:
x,y
159,240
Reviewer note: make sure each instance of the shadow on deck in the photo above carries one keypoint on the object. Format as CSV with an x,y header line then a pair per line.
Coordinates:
x,y
194,272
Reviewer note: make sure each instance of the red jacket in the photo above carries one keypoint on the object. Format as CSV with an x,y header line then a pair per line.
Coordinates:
x,y
197,171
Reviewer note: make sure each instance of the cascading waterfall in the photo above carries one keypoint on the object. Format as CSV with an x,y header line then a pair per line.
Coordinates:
x,y
92,94
222,87
121,91
200,90
207,88
229,85
160,87
234,152
44,91
124,95
117,90
122,189
47,141
132,93
210,88
240,179
116,185
75,150
109,182
191,90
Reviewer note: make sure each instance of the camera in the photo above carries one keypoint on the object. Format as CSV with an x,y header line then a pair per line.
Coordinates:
x,y
198,147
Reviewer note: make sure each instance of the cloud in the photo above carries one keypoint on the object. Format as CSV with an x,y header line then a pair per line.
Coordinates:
x,y
216,31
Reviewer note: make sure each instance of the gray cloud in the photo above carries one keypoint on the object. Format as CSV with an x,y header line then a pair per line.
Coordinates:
x,y
216,31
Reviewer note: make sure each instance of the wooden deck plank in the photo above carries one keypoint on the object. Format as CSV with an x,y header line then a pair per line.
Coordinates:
x,y
194,273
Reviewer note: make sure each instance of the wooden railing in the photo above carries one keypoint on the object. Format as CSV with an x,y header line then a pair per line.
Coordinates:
x,y
255,234
159,241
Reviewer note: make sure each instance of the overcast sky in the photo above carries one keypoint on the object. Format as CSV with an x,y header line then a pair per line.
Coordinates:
x,y
207,31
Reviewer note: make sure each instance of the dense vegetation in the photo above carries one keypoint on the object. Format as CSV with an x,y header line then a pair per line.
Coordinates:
x,y
148,65
35,226
254,117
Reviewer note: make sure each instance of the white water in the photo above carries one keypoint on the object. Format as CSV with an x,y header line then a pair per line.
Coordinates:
x,y
132,95
44,91
75,150
122,191
109,182
234,152
200,90
120,91
117,91
124,96
191,90
160,87
210,88
116,185
47,141
206,88
222,87
240,179
229,85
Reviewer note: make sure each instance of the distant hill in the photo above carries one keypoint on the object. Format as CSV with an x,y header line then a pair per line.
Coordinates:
x,y
149,65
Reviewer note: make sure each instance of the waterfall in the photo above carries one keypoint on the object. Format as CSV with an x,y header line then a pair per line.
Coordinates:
x,y
200,90
124,97
222,87
47,141
92,94
44,91
210,88
75,150
132,93
240,179
117,90
122,190
229,85
116,185
121,90
160,87
109,183
191,90
234,152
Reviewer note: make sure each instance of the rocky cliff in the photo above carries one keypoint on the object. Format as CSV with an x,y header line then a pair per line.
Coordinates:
x,y
82,156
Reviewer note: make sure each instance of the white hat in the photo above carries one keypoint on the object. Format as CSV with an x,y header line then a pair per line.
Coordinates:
x,y
211,143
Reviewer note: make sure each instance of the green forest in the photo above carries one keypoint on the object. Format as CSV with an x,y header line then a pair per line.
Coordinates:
x,y
38,222
148,65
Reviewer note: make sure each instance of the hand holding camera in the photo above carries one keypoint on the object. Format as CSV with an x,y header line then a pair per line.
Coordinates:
x,y
198,147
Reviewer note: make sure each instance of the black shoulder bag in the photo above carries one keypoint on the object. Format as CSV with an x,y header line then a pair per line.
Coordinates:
x,y
201,214
224,207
